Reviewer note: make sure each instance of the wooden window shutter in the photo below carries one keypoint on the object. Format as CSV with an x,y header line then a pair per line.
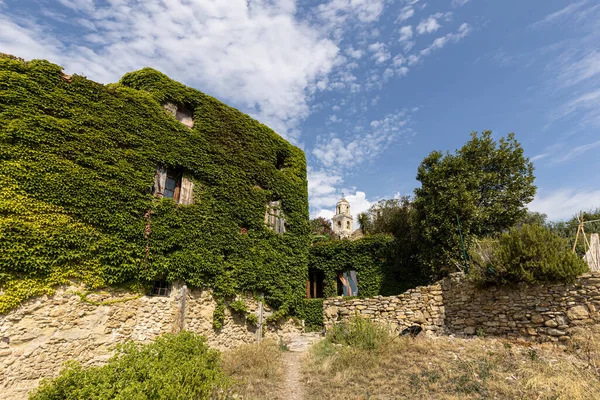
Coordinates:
x,y
186,195
160,180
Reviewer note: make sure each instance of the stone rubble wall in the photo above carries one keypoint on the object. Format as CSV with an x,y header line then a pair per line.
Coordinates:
x,y
545,312
420,306
38,337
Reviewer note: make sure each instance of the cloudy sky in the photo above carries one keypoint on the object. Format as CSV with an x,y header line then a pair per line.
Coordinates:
x,y
366,87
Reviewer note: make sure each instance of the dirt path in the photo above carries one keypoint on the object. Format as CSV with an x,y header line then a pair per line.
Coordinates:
x,y
292,360
293,389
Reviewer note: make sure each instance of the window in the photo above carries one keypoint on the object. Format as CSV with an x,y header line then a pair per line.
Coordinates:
x,y
183,115
274,217
173,184
339,224
348,225
347,283
314,285
161,288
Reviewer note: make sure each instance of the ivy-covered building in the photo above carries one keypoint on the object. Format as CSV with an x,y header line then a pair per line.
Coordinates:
x,y
140,181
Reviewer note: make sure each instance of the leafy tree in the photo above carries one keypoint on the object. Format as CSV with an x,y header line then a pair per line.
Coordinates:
x,y
533,218
530,253
398,218
173,367
321,229
485,183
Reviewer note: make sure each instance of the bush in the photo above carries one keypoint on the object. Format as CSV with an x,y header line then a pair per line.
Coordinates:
x,y
173,367
530,253
360,333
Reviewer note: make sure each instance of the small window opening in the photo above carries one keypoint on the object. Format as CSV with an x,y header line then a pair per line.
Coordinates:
x,y
348,224
161,288
274,217
280,161
183,115
173,184
347,284
314,285
339,224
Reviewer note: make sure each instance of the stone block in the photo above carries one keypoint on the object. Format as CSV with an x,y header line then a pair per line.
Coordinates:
x,y
577,312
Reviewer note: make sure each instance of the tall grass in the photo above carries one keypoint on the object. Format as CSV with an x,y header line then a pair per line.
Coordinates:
x,y
360,333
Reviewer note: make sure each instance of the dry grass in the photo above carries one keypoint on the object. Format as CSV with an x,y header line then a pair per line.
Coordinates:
x,y
256,369
452,368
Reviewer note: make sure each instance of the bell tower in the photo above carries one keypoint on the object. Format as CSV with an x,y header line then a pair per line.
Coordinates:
x,y
343,223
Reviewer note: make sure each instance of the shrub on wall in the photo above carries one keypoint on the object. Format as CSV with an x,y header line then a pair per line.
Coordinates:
x,y
78,161
173,367
530,253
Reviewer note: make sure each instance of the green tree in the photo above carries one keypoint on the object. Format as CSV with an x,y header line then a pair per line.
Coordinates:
x,y
321,229
398,218
485,183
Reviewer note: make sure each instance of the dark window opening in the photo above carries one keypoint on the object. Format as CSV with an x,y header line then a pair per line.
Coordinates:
x,y
348,224
339,224
182,114
161,288
314,285
280,161
347,285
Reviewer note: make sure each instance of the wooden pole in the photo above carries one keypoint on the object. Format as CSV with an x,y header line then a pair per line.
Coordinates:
x,y
578,229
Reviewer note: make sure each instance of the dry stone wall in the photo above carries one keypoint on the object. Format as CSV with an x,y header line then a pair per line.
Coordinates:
x,y
421,306
37,338
547,312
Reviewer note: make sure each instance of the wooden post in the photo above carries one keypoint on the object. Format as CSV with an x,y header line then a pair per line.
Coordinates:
x,y
182,311
260,319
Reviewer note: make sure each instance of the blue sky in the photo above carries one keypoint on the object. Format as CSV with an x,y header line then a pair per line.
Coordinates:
x,y
366,87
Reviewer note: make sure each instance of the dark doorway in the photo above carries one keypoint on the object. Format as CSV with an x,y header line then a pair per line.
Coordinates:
x,y
314,285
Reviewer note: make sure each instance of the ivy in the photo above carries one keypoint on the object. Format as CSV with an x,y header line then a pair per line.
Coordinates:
x,y
368,256
311,311
77,166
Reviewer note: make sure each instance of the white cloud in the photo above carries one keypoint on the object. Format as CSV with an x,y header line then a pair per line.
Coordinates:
x,y
322,187
405,14
440,42
459,3
339,154
406,33
380,52
354,53
431,23
577,151
560,14
565,203
428,25
254,54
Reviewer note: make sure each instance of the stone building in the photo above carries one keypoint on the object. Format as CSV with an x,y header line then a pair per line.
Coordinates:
x,y
343,222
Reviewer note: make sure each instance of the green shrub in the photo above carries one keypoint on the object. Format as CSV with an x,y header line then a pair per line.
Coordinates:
x,y
173,367
360,333
311,311
238,306
530,253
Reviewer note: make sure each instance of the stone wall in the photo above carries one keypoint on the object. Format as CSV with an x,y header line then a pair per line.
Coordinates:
x,y
420,306
37,338
545,312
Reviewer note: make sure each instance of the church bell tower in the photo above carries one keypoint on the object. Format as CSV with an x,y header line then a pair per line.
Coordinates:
x,y
343,223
